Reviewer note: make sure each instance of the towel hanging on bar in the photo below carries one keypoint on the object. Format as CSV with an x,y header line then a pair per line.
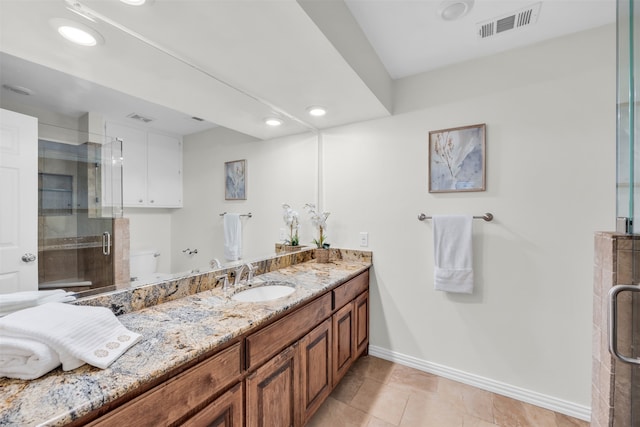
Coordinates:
x,y
453,253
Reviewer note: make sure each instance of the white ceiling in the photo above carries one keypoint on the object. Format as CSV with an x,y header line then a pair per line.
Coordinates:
x,y
236,62
411,38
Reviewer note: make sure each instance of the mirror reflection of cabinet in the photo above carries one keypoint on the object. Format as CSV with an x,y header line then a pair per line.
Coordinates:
x,y
164,170
152,167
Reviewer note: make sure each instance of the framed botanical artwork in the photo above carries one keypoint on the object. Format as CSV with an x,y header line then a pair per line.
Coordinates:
x,y
235,180
457,159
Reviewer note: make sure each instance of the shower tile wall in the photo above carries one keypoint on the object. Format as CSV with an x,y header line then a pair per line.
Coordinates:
x,y
120,251
73,258
611,379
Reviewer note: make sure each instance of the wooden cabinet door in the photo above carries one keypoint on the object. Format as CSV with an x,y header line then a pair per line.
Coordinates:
x,y
273,392
315,368
225,411
361,308
177,398
343,341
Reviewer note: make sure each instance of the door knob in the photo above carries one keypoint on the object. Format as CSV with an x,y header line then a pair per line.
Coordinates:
x,y
28,257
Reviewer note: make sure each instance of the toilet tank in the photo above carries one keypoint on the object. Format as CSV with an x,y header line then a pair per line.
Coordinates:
x,y
143,263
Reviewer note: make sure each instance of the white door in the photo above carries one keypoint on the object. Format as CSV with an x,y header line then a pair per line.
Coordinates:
x,y
18,202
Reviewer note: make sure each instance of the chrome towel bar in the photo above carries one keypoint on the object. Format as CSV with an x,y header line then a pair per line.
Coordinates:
x,y
487,217
247,214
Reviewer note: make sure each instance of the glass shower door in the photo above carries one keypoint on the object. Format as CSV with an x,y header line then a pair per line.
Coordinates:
x,y
80,192
624,310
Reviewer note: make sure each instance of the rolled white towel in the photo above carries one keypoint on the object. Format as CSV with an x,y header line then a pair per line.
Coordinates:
x,y
26,359
77,334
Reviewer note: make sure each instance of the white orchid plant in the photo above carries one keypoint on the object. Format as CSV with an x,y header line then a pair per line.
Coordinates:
x,y
319,220
290,218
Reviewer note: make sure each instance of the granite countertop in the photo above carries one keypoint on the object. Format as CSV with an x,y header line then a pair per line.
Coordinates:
x,y
174,333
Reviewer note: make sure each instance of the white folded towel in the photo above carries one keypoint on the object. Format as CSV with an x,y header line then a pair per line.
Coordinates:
x,y
232,237
26,359
75,334
453,255
20,300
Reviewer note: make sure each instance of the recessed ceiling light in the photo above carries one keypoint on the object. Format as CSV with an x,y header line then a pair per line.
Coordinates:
x,y
273,121
317,111
450,10
77,36
76,32
135,2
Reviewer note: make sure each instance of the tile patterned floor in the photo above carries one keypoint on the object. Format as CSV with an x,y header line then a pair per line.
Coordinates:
x,y
379,393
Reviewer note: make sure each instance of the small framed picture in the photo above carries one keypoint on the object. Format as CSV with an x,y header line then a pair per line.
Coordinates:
x,y
235,180
457,159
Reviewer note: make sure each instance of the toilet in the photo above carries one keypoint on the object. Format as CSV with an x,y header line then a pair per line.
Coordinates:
x,y
143,267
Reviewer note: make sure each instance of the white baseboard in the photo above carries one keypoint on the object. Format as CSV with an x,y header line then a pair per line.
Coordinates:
x,y
548,402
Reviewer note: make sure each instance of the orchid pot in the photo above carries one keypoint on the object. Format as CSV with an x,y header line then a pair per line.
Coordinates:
x,y
321,255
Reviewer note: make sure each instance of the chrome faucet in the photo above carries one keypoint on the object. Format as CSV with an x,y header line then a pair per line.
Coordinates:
x,y
225,281
250,269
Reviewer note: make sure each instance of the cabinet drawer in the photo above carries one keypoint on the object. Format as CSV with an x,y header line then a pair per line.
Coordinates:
x,y
351,289
174,399
269,341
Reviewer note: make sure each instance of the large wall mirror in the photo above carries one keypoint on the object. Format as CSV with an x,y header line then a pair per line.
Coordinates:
x,y
128,104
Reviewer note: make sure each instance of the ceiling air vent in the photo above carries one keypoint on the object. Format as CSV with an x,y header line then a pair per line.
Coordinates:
x,y
510,21
140,118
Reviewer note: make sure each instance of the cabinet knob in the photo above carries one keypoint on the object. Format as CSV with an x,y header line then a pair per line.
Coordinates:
x,y
140,201
151,201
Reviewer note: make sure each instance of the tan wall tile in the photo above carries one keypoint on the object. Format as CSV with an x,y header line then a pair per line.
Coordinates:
x,y
604,250
624,242
121,263
614,260
596,343
624,267
636,260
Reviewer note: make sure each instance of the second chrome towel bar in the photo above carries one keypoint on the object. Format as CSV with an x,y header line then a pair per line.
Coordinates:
x,y
247,214
487,217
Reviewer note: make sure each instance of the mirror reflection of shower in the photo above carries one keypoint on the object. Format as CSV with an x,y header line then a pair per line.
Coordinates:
x,y
75,214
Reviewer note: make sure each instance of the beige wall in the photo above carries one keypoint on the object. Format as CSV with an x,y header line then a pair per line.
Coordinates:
x,y
550,115
281,170
150,229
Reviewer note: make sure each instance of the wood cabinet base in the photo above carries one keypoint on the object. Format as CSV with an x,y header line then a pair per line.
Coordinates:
x,y
277,375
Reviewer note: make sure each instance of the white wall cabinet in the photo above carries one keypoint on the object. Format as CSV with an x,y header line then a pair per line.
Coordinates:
x,y
152,167
164,170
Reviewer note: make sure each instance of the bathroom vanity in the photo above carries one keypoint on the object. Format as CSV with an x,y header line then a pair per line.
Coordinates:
x,y
209,360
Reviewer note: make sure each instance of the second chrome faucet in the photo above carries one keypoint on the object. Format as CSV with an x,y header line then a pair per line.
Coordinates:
x,y
248,268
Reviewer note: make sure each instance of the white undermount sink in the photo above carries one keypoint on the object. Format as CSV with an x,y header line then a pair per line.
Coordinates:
x,y
263,293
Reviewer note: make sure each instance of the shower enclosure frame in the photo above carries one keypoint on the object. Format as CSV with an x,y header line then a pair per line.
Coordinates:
x,y
624,298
